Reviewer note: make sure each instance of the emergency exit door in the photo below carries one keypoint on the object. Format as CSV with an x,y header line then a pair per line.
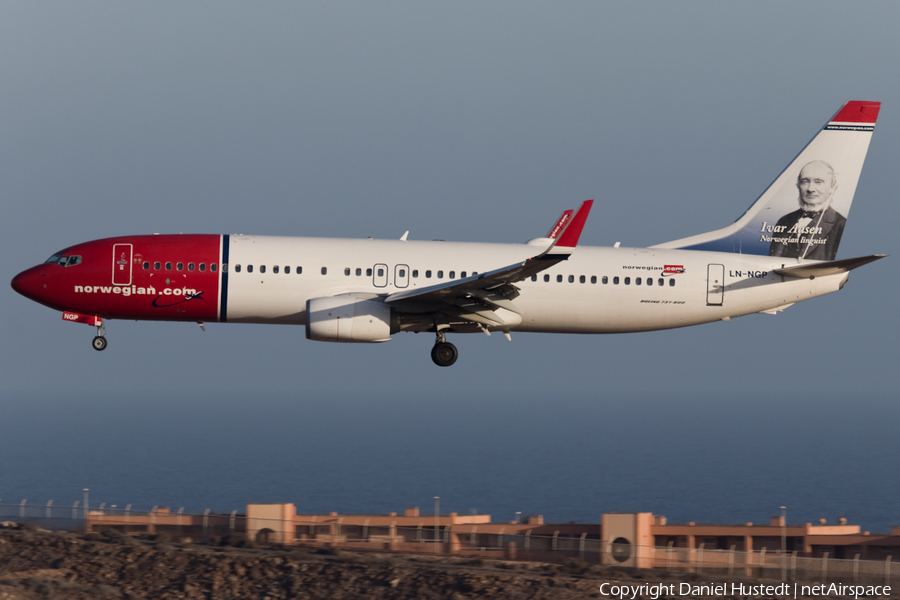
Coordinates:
x,y
380,275
715,285
401,276
121,264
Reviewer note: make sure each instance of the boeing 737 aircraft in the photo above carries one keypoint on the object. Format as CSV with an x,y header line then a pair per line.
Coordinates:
x,y
781,251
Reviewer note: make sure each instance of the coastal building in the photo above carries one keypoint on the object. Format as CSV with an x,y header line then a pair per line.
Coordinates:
x,y
640,540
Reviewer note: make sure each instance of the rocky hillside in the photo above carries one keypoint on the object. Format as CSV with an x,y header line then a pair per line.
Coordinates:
x,y
42,565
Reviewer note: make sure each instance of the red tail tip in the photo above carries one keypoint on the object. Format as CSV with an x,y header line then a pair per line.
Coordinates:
x,y
858,111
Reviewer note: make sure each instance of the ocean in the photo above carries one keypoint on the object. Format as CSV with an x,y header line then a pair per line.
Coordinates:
x,y
712,459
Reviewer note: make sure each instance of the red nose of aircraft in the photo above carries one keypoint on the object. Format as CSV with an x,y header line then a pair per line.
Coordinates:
x,y
31,283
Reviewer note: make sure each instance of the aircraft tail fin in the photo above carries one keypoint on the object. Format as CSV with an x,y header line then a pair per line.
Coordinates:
x,y
803,212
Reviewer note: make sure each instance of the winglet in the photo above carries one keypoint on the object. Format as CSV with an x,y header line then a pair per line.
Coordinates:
x,y
560,224
569,237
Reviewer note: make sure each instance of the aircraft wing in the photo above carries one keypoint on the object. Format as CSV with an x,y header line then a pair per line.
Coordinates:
x,y
480,294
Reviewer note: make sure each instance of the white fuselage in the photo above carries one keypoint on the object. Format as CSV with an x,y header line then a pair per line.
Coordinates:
x,y
602,290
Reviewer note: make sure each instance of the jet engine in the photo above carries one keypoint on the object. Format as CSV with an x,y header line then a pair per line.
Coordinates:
x,y
348,318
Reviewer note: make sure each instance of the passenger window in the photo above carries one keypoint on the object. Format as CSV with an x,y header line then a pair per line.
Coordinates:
x,y
168,266
381,272
358,272
593,279
534,277
299,270
202,267
571,279
237,268
452,274
213,267
275,269
368,272
628,281
262,268
671,283
428,274
249,268
605,280
637,281
157,266
347,271
402,272
463,274
190,266
324,270
225,267
287,270
146,265
616,280
660,281
415,273
546,278
559,279
649,281
440,274
582,279
179,266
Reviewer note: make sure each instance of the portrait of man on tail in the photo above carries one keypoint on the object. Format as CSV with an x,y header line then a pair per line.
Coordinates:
x,y
814,230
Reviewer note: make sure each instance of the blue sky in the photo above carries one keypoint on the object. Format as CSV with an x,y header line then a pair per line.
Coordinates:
x,y
461,121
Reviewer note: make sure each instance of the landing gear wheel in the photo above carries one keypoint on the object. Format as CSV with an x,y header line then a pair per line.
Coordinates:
x,y
99,343
444,354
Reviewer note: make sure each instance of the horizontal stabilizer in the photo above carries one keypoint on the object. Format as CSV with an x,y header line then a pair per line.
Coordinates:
x,y
827,268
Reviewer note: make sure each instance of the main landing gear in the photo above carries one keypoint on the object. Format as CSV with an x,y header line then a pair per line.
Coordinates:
x,y
444,353
99,342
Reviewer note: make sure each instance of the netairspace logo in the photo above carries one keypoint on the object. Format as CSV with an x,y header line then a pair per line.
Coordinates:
x,y
783,590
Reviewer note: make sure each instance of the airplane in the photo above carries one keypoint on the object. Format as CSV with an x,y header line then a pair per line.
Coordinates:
x,y
780,251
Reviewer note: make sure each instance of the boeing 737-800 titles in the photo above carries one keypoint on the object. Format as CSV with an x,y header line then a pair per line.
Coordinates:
x,y
781,251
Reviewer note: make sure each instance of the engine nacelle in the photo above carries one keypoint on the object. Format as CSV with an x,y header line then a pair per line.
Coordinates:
x,y
347,318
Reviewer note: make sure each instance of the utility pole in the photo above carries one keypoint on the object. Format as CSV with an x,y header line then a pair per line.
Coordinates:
x,y
85,490
783,543
437,525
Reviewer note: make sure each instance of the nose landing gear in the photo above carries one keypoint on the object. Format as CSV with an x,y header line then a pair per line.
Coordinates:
x,y
444,353
99,342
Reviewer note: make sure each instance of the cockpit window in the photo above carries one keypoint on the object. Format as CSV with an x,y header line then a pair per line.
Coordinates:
x,y
63,261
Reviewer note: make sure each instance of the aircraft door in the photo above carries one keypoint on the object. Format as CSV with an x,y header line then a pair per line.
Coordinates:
x,y
121,264
401,276
380,275
715,285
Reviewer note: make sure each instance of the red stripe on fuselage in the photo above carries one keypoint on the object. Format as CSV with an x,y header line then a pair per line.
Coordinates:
x,y
153,294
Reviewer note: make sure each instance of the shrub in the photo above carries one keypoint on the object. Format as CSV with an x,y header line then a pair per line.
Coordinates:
x,y
161,537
